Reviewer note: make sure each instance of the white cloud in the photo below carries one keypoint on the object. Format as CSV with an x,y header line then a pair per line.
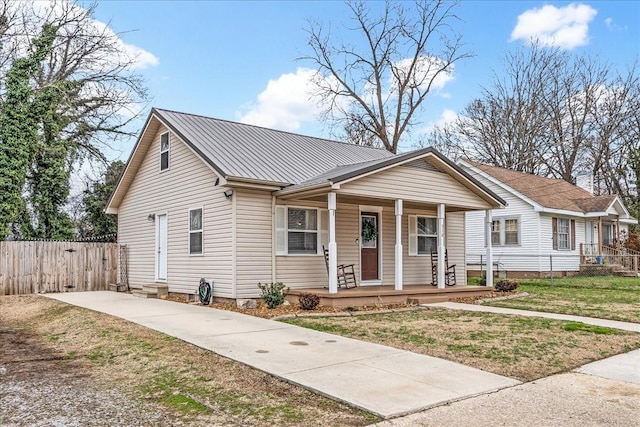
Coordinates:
x,y
612,26
285,103
565,27
446,117
38,12
140,58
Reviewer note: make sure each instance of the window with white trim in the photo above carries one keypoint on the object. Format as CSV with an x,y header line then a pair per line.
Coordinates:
x,y
495,232
564,236
301,231
195,231
164,151
505,231
423,235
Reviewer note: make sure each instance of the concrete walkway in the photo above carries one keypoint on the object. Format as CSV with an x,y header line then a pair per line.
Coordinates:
x,y
626,326
379,379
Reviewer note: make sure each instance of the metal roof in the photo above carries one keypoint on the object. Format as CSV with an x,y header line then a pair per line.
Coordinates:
x,y
246,151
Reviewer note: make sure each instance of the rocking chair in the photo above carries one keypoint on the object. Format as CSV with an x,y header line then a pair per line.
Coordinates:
x,y
449,270
346,273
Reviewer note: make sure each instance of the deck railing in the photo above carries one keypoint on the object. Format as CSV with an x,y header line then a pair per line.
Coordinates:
x,y
628,259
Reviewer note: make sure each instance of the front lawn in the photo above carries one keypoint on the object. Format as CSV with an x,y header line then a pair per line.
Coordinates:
x,y
518,347
615,298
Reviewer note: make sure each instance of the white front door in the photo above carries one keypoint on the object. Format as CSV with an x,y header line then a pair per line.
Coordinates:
x,y
161,247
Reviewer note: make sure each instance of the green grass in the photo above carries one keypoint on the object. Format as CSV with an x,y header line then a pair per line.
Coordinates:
x,y
525,348
615,298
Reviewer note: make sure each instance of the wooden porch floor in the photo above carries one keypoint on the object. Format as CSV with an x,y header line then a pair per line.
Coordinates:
x,y
387,295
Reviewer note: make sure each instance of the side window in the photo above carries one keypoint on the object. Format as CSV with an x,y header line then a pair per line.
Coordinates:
x,y
164,151
195,231
511,232
495,232
563,234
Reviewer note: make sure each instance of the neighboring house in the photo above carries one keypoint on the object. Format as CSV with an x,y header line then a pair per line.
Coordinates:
x,y
547,224
240,204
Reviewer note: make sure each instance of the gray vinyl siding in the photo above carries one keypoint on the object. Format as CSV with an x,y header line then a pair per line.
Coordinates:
x,y
415,185
253,241
188,183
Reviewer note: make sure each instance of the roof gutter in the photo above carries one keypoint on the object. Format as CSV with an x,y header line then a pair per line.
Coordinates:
x,y
290,191
234,181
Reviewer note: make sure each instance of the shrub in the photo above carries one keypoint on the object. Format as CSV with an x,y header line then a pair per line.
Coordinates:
x,y
506,285
308,301
272,293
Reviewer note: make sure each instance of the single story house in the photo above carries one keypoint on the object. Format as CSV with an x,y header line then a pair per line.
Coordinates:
x,y
239,204
548,224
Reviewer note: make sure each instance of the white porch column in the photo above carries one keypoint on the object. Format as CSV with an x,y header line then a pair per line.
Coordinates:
x,y
398,245
333,247
488,220
441,247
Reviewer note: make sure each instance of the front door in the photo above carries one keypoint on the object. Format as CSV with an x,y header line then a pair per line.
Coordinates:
x,y
161,249
369,238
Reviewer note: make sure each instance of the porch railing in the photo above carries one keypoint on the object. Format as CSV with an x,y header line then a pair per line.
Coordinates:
x,y
628,259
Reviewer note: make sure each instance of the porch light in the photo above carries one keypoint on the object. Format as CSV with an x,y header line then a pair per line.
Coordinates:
x,y
151,217
228,194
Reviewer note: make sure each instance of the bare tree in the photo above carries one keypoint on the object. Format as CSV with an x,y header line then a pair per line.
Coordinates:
x,y
92,93
554,114
376,83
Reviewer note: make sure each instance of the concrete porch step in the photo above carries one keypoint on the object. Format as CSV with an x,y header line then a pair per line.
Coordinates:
x,y
160,290
143,294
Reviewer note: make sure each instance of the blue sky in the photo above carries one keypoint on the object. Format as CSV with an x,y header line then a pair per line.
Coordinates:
x,y
237,60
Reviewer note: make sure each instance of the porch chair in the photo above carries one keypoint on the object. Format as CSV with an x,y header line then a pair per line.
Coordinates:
x,y
449,270
346,273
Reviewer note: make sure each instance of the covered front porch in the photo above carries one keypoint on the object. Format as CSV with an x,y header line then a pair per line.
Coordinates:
x,y
370,296
400,225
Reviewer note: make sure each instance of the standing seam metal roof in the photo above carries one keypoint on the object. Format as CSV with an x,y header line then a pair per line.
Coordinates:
x,y
247,151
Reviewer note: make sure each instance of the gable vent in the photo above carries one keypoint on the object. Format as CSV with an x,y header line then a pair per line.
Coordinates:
x,y
422,164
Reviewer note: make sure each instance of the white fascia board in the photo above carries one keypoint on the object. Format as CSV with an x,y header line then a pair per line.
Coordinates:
x,y
571,213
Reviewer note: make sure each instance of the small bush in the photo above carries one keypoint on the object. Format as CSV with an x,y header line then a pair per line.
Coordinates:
x,y
506,285
308,301
273,293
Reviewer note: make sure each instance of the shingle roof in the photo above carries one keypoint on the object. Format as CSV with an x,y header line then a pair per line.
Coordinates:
x,y
548,192
247,151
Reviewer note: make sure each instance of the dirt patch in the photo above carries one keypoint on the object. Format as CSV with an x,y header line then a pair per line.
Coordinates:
x,y
64,365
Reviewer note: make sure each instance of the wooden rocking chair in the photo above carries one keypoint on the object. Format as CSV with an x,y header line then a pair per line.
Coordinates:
x,y
346,273
449,270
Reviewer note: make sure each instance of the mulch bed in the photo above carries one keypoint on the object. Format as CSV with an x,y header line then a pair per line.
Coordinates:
x,y
294,309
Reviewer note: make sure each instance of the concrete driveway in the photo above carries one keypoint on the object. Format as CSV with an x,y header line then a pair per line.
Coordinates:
x,y
379,379
603,393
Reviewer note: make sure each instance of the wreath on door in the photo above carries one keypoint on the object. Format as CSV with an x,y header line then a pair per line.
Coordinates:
x,y
369,231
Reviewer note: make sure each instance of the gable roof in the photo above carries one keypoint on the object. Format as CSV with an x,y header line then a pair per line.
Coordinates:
x,y
550,192
240,152
245,151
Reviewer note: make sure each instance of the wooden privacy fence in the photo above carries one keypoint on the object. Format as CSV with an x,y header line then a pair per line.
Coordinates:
x,y
28,267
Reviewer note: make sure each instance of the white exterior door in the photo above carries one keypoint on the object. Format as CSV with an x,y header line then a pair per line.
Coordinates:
x,y
161,247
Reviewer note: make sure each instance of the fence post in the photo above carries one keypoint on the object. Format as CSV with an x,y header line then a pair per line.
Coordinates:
x,y
551,267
